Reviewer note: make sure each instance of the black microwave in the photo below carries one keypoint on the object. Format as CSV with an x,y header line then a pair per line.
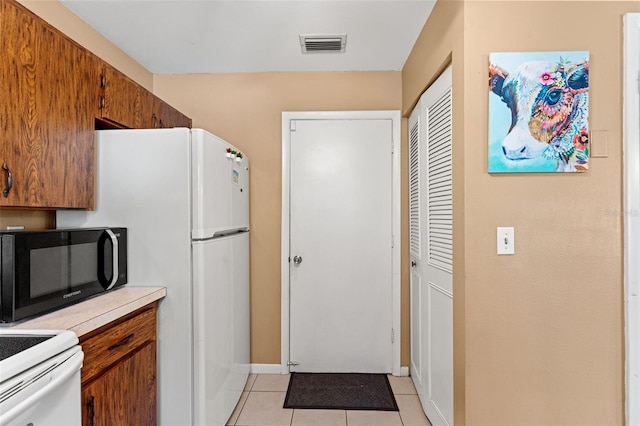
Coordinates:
x,y
45,270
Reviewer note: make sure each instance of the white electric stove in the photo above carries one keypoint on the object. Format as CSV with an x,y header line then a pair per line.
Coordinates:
x,y
40,377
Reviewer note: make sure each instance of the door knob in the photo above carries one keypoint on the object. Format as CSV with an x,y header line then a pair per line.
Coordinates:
x,y
413,263
297,260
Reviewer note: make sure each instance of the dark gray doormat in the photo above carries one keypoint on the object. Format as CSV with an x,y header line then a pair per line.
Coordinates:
x,y
340,391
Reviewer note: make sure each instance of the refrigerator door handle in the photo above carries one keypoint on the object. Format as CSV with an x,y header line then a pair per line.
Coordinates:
x,y
227,232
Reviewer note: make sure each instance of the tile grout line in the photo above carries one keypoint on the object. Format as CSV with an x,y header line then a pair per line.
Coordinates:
x,y
245,400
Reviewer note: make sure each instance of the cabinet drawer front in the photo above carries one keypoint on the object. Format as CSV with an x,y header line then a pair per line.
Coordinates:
x,y
113,344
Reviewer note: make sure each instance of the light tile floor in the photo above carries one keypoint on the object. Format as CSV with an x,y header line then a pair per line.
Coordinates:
x,y
261,405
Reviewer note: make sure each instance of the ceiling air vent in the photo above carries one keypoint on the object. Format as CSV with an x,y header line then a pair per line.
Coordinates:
x,y
323,43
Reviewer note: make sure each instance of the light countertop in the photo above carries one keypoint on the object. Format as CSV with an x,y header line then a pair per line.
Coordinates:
x,y
84,317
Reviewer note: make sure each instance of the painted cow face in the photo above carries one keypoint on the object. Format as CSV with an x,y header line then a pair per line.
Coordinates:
x,y
544,99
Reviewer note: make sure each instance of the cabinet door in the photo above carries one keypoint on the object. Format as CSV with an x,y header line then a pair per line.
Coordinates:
x,y
125,103
167,116
125,394
49,91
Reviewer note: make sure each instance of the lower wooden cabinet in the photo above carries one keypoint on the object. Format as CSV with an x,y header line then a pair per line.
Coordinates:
x,y
119,372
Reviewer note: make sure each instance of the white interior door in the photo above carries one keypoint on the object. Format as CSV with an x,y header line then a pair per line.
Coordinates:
x,y
341,245
431,250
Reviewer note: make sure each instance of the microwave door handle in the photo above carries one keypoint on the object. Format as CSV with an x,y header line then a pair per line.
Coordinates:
x,y
114,262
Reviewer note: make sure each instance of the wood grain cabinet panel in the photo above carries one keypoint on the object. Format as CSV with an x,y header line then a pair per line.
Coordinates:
x,y
52,92
105,349
119,371
125,395
49,98
125,103
164,115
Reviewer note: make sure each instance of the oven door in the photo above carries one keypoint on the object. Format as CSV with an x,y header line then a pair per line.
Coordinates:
x,y
47,394
42,271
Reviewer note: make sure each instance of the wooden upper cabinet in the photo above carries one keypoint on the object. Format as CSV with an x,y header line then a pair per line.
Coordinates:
x,y
124,102
164,115
52,91
49,94
127,104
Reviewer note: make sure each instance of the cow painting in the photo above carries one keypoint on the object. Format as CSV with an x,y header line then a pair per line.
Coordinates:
x,y
548,106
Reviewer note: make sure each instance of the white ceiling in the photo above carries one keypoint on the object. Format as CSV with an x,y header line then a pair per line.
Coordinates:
x,y
217,36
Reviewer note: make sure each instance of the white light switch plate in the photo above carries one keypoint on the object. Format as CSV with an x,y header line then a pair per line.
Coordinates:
x,y
506,240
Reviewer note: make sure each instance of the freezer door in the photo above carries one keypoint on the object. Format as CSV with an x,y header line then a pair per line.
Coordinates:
x,y
220,187
221,326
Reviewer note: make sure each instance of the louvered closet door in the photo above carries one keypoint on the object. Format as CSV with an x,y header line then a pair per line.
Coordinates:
x,y
431,250
415,245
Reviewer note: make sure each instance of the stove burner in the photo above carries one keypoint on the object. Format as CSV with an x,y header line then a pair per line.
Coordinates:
x,y
13,344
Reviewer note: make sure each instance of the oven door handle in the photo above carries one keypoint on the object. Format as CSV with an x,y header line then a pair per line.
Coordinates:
x,y
106,282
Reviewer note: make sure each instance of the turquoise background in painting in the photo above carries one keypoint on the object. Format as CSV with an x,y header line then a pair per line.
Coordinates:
x,y
500,115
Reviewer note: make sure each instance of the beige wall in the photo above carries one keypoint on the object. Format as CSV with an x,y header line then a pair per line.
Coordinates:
x,y
245,109
541,331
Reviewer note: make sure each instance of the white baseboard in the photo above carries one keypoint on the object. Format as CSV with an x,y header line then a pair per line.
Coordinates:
x,y
266,369
277,369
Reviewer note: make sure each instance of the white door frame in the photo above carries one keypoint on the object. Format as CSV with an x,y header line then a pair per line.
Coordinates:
x,y
286,174
631,96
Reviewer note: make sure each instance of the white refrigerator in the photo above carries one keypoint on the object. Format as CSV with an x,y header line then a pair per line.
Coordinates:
x,y
185,202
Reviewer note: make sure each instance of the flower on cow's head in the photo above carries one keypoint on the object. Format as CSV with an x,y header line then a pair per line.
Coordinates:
x,y
581,140
547,78
560,81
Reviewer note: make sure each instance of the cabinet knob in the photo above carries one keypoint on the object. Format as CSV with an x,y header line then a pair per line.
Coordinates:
x,y
9,176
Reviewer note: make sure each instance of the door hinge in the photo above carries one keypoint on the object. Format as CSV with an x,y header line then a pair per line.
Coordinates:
x,y
393,335
292,363
102,102
292,125
103,81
